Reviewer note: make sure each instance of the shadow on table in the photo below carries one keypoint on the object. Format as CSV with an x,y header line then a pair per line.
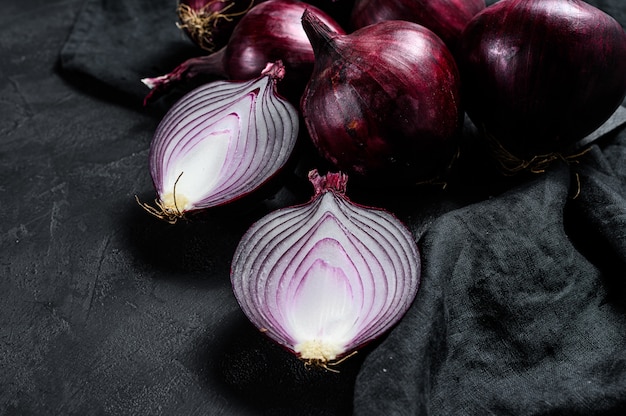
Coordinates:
x,y
254,370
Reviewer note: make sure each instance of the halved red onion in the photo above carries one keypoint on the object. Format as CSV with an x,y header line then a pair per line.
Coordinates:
x,y
325,277
220,142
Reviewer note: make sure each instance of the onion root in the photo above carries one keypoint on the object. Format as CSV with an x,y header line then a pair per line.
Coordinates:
x,y
200,23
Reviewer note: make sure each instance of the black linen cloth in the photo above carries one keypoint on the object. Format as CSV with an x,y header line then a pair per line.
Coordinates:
x,y
107,311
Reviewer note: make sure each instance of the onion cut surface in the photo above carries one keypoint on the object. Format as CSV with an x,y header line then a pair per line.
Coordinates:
x,y
324,278
220,142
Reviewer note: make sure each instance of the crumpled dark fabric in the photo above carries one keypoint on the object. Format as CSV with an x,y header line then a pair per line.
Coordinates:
x,y
521,311
114,44
522,306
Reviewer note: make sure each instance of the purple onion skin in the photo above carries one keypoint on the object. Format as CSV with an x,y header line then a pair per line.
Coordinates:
x,y
447,18
383,102
539,75
271,31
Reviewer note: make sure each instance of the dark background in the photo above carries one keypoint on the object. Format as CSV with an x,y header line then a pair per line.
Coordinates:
x,y
105,310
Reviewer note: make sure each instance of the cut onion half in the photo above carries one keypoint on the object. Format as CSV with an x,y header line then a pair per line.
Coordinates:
x,y
326,277
220,142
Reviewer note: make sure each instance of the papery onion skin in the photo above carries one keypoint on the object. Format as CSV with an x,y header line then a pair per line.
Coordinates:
x,y
539,75
384,101
268,32
209,23
447,18
328,276
221,142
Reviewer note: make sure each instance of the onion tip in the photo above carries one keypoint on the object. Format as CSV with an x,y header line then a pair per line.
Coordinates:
x,y
333,181
316,30
275,70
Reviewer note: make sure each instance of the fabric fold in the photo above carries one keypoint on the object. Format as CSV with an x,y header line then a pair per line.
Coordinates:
x,y
114,44
514,316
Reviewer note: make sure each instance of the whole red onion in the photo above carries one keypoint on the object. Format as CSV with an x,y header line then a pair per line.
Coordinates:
x,y
270,31
539,75
209,23
447,18
383,101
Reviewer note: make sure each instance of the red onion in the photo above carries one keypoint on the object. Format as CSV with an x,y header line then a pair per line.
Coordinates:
x,y
324,278
270,31
383,102
209,23
447,18
220,142
539,75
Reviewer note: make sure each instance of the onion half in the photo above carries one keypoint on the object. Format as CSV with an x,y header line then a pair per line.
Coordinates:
x,y
325,277
269,31
220,142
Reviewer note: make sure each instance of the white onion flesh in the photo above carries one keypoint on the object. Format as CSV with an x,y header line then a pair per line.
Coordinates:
x,y
220,142
326,277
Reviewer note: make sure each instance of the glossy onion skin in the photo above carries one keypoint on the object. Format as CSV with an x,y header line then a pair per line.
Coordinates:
x,y
447,18
539,75
271,31
328,271
339,10
384,101
268,32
